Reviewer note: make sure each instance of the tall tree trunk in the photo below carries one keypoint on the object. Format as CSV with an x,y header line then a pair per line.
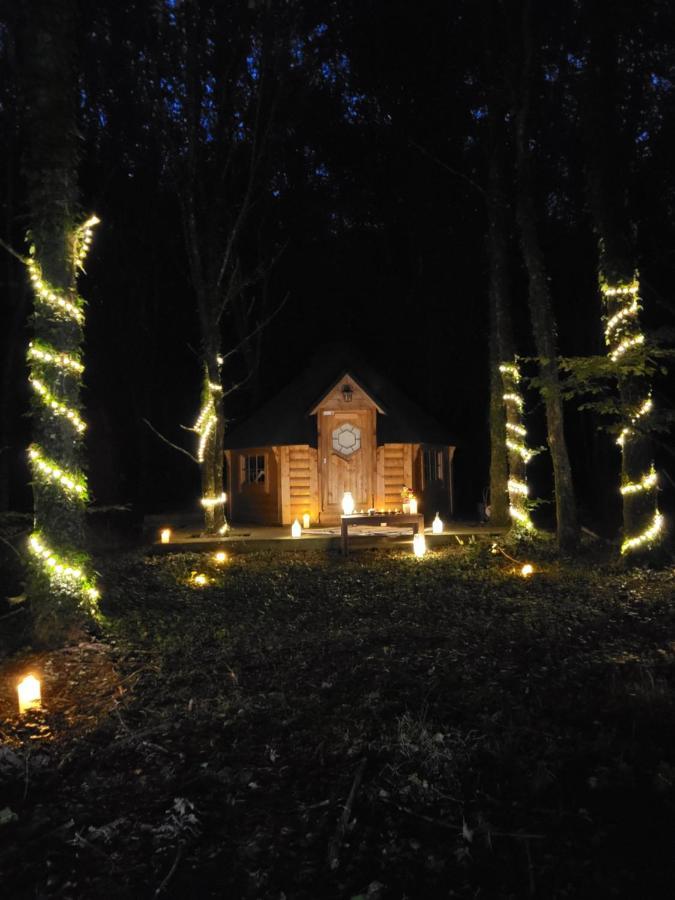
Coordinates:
x,y
210,425
509,453
541,308
619,286
210,452
499,468
62,580
15,293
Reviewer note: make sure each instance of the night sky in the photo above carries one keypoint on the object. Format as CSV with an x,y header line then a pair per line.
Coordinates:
x,y
368,221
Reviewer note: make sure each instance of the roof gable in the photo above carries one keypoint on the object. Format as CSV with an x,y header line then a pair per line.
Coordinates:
x,y
334,397
288,418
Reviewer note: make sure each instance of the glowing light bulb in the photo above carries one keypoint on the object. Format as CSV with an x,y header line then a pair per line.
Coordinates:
x,y
419,545
220,557
200,579
29,693
347,503
527,570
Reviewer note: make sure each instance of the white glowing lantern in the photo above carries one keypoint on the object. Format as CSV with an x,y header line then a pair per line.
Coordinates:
x,y
527,570
29,693
296,529
165,535
419,545
437,525
413,506
220,557
347,503
306,520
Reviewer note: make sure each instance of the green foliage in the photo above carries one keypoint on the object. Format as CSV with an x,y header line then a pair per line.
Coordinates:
x,y
591,381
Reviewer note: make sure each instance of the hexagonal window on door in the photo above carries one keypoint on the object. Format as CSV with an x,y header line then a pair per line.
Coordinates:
x,y
347,439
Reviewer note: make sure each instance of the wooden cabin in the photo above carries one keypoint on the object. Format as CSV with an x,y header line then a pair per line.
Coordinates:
x,y
339,427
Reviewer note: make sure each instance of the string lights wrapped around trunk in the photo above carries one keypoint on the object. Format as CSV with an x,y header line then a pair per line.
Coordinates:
x,y
623,335
56,377
209,450
519,453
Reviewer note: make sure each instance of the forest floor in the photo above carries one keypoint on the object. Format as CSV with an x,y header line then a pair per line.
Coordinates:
x,y
305,726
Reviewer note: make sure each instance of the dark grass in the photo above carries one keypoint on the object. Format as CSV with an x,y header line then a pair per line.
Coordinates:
x,y
519,735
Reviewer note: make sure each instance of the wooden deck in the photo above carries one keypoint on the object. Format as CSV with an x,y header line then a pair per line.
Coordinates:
x,y
187,536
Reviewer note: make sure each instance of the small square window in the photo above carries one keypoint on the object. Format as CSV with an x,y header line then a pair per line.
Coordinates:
x,y
253,469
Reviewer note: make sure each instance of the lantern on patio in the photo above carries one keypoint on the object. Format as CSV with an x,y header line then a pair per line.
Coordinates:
x,y
306,521
29,693
413,506
419,545
347,503
437,525
165,535
296,530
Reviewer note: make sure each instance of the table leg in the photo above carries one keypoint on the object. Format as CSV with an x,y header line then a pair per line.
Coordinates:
x,y
344,539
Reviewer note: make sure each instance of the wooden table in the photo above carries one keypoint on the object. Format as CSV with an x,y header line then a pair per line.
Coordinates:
x,y
415,522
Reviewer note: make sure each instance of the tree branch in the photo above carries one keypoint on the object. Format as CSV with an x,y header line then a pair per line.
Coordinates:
x,y
22,259
167,441
258,328
444,165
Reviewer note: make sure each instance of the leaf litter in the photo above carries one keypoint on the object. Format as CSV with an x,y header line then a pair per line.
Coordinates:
x,y
307,727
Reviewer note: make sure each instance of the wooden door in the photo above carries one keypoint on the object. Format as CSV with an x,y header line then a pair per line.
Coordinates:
x,y
346,460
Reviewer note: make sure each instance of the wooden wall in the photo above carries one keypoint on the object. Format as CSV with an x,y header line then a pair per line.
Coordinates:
x,y
298,483
255,503
394,469
291,488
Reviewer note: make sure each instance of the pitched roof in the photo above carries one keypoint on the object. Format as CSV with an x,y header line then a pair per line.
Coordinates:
x,y
286,418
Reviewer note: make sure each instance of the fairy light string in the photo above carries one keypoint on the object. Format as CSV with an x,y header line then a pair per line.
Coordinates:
x,y
56,406
210,502
623,334
66,574
55,374
44,353
206,422
74,484
516,443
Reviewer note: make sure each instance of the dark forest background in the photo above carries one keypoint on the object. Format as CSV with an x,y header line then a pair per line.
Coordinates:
x,y
366,224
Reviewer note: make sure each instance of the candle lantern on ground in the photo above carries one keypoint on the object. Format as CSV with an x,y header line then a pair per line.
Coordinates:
x,y
29,693
419,545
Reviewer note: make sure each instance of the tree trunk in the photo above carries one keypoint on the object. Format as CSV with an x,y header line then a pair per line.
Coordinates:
x,y
211,429
619,285
16,295
499,469
62,584
541,310
508,482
